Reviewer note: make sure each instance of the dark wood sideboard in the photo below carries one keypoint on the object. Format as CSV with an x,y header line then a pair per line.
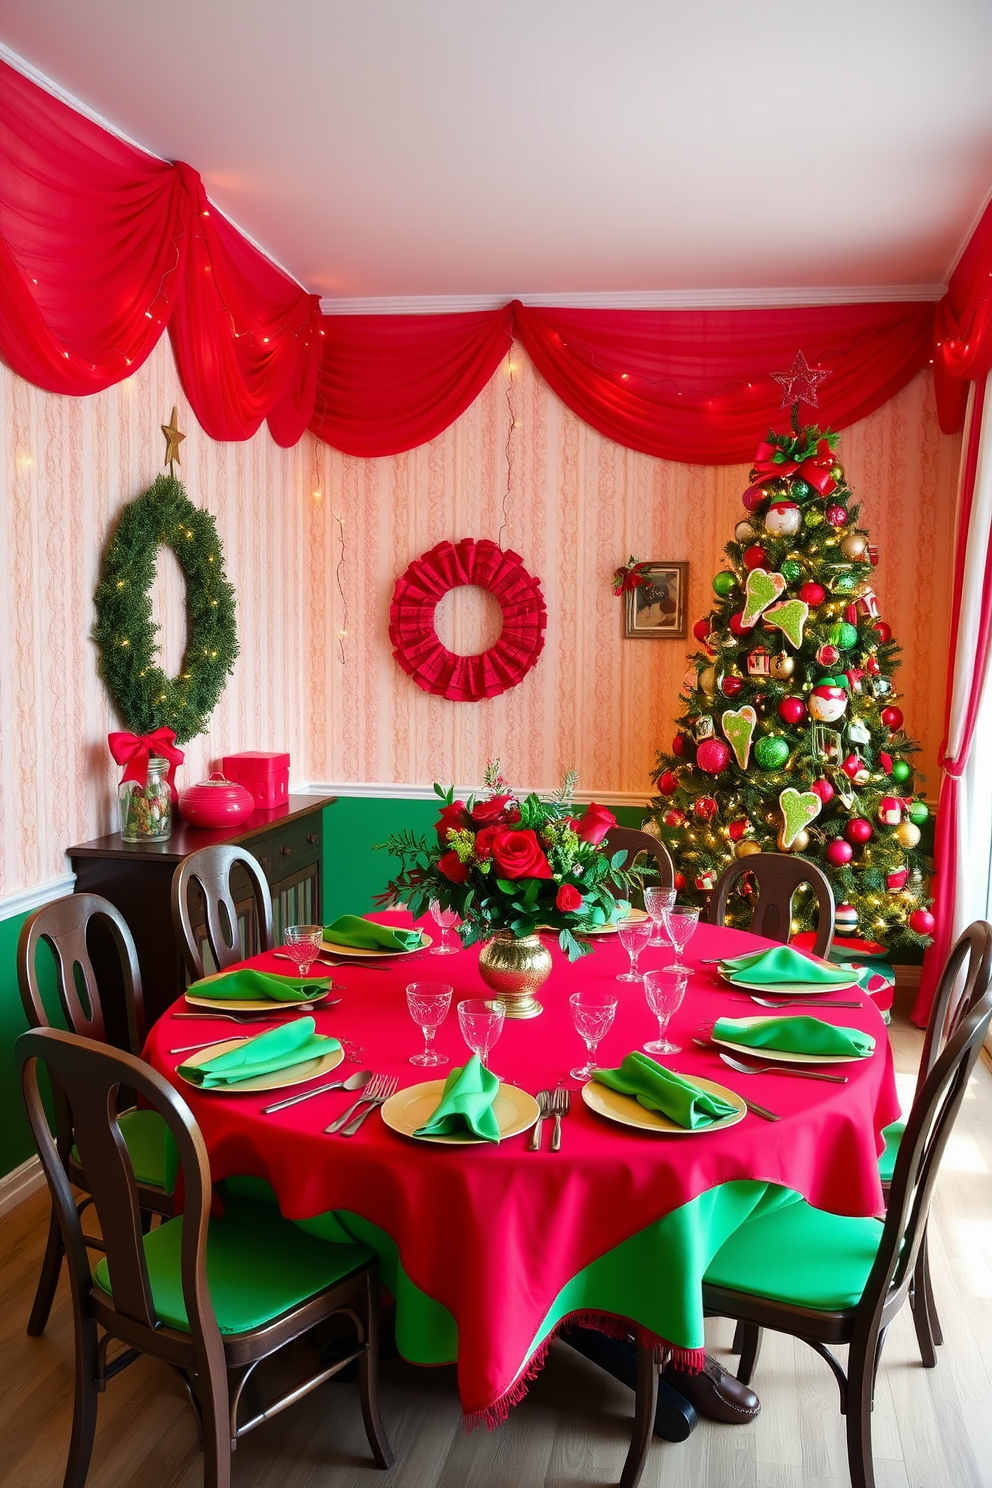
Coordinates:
x,y
137,877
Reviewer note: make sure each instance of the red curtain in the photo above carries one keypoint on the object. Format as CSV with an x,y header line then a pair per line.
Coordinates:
x,y
963,327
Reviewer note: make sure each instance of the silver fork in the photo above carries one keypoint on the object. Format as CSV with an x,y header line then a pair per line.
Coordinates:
x,y
774,1002
380,1100
371,1092
561,1102
543,1098
781,1069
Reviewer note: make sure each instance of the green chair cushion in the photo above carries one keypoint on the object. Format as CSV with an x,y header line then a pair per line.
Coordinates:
x,y
259,1266
887,1162
150,1147
799,1255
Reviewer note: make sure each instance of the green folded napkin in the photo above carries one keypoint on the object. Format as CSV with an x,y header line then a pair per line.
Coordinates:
x,y
279,1048
660,1089
368,935
466,1104
248,985
783,964
796,1036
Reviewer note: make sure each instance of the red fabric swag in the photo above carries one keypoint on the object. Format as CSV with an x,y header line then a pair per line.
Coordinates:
x,y
963,327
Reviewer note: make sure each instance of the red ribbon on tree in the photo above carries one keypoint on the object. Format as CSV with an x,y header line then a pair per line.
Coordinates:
x,y
133,751
815,469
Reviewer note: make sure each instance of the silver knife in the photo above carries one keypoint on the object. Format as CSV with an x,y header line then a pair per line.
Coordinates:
x,y
542,1097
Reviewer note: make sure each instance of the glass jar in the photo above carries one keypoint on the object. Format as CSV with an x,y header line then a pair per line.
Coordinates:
x,y
146,811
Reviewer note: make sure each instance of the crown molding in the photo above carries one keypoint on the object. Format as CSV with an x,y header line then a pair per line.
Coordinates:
x,y
648,299
378,790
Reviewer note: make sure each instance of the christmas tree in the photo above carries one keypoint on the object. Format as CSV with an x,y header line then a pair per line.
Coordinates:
x,y
791,739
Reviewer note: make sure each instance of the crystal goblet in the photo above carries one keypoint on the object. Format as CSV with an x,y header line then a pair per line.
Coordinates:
x,y
481,1023
592,1014
680,922
302,944
634,936
428,1003
656,901
664,991
445,919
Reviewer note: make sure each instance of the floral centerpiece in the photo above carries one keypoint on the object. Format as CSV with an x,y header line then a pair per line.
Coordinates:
x,y
511,867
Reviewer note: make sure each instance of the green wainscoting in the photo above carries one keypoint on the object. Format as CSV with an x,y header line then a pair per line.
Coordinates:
x,y
16,1144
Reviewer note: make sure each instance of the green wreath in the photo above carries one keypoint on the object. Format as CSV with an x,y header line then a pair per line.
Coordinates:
x,y
144,696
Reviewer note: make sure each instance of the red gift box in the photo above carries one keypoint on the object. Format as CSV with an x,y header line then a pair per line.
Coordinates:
x,y
266,776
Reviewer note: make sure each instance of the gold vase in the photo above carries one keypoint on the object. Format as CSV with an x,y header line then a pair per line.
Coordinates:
x,y
514,968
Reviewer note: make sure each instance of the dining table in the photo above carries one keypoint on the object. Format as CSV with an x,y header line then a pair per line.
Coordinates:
x,y
488,1249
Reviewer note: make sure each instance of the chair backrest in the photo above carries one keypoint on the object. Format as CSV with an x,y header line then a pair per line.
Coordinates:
x,y
930,1122
90,1075
634,843
964,980
65,925
210,870
778,876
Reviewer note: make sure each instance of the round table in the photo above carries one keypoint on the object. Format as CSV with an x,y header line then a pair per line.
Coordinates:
x,y
488,1248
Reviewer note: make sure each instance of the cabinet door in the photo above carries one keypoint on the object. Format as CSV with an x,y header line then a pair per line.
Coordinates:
x,y
296,900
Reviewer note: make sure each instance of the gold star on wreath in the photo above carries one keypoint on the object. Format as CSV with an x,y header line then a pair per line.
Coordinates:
x,y
173,439
799,383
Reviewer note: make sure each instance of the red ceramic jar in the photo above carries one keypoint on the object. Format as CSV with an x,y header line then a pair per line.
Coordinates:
x,y
216,802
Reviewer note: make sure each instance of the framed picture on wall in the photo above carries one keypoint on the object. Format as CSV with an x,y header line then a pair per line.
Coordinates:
x,y
656,609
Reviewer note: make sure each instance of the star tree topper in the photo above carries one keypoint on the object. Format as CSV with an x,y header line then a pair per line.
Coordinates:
x,y
173,440
800,382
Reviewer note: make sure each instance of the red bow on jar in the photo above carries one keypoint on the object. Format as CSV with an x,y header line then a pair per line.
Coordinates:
x,y
134,750
815,469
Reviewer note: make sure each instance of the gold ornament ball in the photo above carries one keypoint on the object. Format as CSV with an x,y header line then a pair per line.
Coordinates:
x,y
746,848
907,834
800,842
782,666
707,681
744,532
855,545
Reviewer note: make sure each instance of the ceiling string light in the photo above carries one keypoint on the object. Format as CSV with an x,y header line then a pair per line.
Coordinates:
x,y
508,449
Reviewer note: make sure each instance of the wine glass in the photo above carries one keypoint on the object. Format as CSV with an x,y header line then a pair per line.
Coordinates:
x,y
592,1014
481,1023
656,901
634,936
428,1003
664,991
680,922
302,943
445,920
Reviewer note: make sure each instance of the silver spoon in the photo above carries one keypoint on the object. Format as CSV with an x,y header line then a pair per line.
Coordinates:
x,y
357,1081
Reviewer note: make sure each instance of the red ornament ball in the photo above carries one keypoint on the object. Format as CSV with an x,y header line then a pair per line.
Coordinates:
x,y
858,831
737,828
828,656
823,789
679,883
752,498
705,808
730,686
702,628
668,784
836,515
892,718
679,744
713,756
755,557
813,594
737,626
855,769
791,709
673,817
839,852
883,631
922,921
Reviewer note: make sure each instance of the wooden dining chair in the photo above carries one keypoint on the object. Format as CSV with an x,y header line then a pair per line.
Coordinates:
x,y
635,844
205,876
778,876
211,1297
831,1279
66,926
964,981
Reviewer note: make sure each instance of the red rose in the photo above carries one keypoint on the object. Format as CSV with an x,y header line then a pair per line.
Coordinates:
x,y
494,810
594,825
484,842
454,817
518,854
452,868
568,899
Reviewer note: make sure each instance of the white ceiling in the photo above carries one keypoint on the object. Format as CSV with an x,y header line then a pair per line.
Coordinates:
x,y
584,151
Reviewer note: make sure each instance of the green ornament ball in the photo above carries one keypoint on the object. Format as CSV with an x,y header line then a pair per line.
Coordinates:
x,y
801,490
724,583
919,813
843,635
845,583
792,570
771,752
814,517
901,771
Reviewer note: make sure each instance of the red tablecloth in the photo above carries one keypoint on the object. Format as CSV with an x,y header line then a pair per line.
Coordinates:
x,y
494,1233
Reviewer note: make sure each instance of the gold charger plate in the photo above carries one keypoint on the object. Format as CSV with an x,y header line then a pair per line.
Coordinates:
x,y
629,1112
791,989
255,1004
296,1074
784,1056
377,953
515,1111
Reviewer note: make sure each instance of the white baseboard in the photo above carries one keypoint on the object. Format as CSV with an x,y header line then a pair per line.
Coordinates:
x,y
23,901
20,1184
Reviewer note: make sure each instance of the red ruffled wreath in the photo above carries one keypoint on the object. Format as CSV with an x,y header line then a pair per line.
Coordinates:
x,y
416,646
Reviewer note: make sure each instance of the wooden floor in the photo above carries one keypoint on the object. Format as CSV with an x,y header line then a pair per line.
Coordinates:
x,y
933,1429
